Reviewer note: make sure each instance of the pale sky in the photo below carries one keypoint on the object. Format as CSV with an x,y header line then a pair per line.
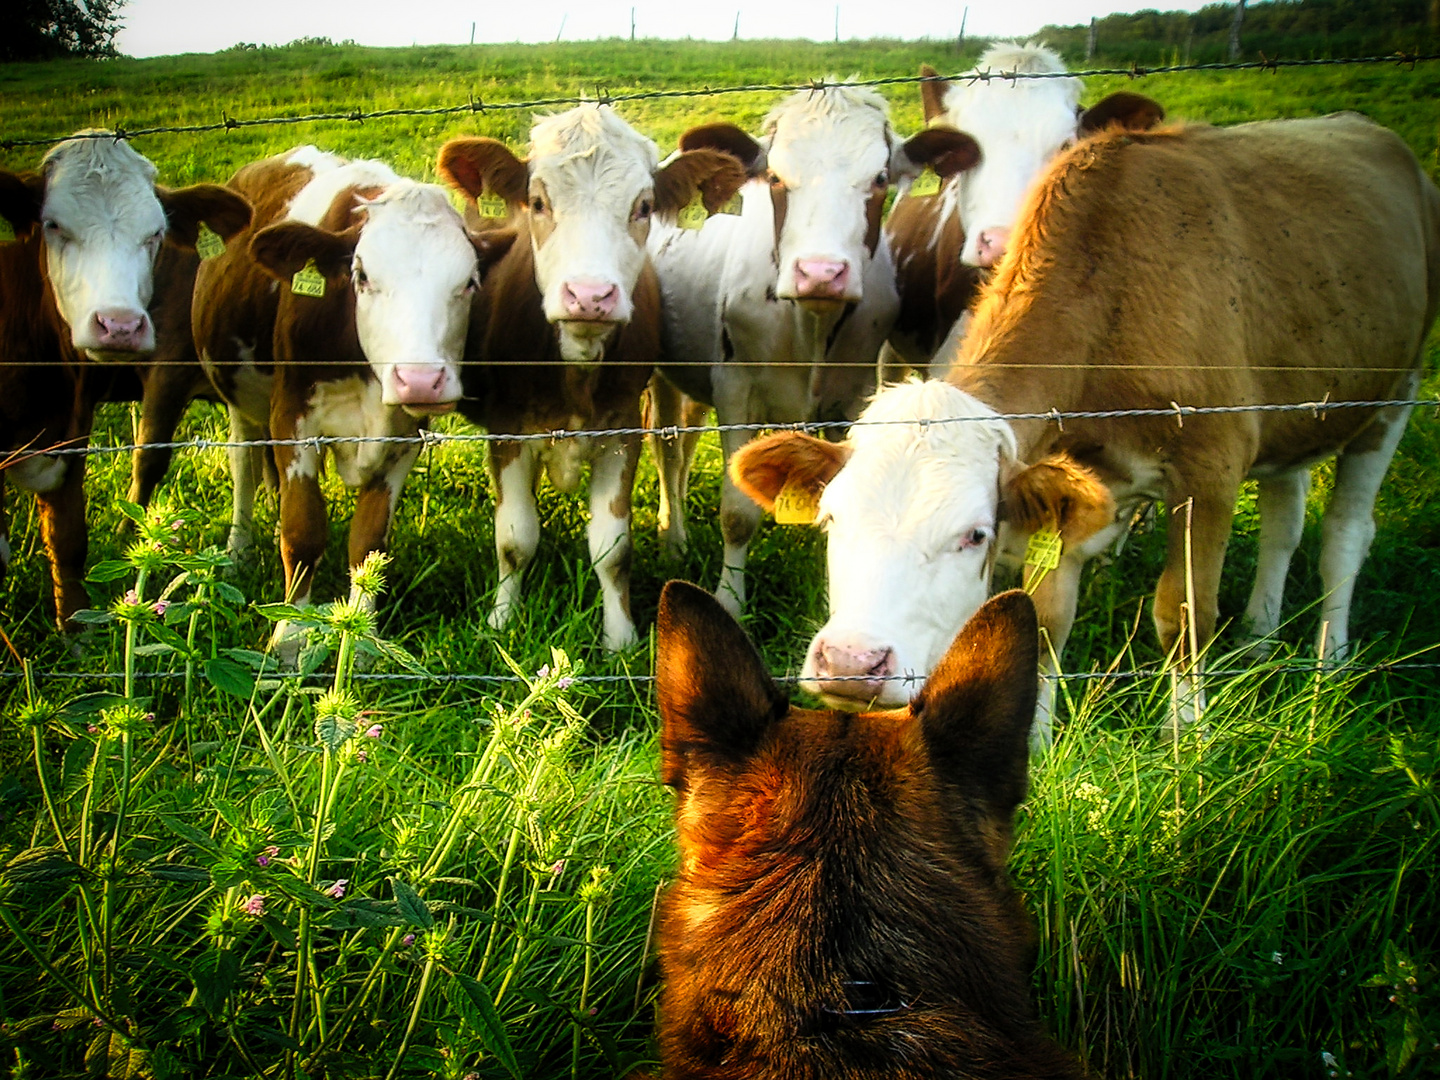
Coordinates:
x,y
163,27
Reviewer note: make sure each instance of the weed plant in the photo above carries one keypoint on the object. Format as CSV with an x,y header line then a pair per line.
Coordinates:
x,y
211,868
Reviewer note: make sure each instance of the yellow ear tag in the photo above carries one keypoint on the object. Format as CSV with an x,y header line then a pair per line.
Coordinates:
x,y
308,281
491,205
694,215
927,183
734,206
7,231
796,505
208,243
1042,554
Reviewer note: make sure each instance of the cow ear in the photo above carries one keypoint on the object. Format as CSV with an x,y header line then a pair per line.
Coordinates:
x,y
761,468
716,697
944,149
1133,112
223,211
1058,493
715,174
283,250
729,138
476,166
21,198
932,93
491,246
977,705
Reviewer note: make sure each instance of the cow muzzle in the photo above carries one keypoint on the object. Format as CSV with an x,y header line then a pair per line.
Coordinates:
x,y
990,245
116,334
422,389
589,301
850,671
822,279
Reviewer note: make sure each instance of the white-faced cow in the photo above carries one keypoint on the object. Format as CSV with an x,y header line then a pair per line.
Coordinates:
x,y
568,330
777,315
90,288
1280,262
345,317
941,241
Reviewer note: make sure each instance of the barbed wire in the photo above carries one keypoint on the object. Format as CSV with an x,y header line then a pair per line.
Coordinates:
x,y
480,106
435,438
1301,667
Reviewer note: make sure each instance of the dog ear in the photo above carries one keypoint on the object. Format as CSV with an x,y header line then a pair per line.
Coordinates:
x,y
716,696
977,706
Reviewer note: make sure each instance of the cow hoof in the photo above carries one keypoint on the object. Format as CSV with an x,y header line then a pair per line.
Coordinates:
x,y
619,639
498,617
286,644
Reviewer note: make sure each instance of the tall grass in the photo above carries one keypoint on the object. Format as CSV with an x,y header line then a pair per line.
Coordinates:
x,y
172,849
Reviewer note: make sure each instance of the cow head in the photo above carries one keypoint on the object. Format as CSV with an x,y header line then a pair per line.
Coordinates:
x,y
1020,124
103,220
829,157
588,191
411,269
911,505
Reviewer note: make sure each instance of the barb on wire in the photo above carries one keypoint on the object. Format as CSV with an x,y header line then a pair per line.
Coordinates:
x,y
435,438
1133,71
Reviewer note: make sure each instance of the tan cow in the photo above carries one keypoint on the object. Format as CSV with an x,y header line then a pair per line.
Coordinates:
x,y
1280,262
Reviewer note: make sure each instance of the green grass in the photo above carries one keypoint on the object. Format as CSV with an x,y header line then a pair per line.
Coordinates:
x,y
1235,906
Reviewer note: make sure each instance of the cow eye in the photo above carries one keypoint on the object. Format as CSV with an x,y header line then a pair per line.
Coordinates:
x,y
882,178
642,211
362,279
537,205
975,538
775,181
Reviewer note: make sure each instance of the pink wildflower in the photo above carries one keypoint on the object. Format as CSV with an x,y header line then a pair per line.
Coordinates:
x,y
338,889
374,731
564,682
361,756
263,859
408,939
544,671
175,525
255,905
161,605
131,596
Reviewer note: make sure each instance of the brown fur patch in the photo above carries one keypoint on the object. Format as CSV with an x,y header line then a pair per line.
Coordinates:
x,y
762,467
944,149
284,249
716,174
476,165
1131,112
224,211
932,93
731,140
1058,493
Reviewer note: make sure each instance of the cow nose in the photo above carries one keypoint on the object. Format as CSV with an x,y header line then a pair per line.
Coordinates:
x,y
420,384
990,244
821,278
589,299
120,328
852,670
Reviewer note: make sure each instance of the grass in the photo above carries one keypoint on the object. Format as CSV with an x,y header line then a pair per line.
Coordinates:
x,y
1236,906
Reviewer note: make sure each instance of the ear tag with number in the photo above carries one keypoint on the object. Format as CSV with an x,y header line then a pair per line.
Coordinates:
x,y
927,183
308,281
7,231
734,206
1043,550
796,505
694,215
208,243
491,205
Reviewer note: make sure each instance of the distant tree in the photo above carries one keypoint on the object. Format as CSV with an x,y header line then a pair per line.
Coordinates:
x,y
41,29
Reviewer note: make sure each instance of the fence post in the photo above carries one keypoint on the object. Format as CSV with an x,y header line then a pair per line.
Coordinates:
x,y
964,15
1235,29
1090,40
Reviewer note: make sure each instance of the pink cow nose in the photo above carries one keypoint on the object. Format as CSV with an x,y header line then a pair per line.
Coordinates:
x,y
419,384
120,328
594,300
991,244
849,669
821,278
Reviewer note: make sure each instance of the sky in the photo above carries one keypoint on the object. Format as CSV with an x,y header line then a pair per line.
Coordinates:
x,y
164,27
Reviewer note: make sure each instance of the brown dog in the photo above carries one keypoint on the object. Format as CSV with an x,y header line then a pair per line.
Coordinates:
x,y
843,908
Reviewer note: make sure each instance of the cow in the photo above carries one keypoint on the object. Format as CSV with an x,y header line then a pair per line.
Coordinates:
x,y
777,314
1269,263
89,289
841,907
567,331
343,314
943,241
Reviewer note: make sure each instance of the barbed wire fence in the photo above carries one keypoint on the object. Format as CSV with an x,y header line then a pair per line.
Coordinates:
x,y
430,439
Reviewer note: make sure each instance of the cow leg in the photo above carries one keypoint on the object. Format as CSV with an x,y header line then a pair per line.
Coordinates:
x,y
375,504
739,517
513,468
246,467
62,529
1281,500
612,478
1055,594
1196,538
169,389
670,407
1349,524
303,532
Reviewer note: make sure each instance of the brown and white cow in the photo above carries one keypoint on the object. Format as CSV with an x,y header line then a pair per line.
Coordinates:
x,y
942,241
1279,262
374,354
101,254
777,315
568,330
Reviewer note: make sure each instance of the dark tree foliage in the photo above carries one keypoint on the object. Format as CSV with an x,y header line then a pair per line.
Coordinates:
x,y
42,29
1287,28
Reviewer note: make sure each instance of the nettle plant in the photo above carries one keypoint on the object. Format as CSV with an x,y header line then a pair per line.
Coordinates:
x,y
267,890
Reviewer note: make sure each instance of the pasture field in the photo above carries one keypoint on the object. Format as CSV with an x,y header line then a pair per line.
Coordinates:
x,y
219,875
